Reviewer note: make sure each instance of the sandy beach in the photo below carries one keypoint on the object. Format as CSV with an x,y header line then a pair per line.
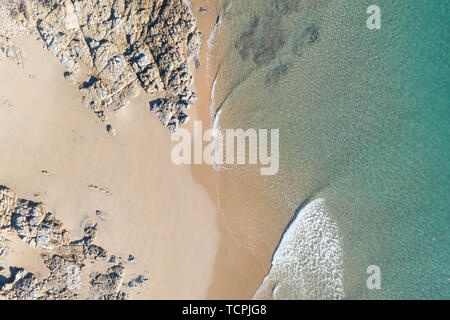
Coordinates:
x,y
100,200
55,151
48,129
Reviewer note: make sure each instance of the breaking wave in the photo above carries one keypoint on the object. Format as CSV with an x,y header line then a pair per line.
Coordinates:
x,y
308,261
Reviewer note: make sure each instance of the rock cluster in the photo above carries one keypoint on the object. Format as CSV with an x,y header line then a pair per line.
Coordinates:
x,y
65,259
11,51
171,112
112,48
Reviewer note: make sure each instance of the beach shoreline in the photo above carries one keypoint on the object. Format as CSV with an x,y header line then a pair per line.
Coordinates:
x,y
56,151
237,272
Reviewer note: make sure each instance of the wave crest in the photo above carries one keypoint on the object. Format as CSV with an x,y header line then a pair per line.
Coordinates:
x,y
308,261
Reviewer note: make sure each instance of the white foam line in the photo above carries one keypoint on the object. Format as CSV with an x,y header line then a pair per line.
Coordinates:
x,y
308,261
212,111
212,37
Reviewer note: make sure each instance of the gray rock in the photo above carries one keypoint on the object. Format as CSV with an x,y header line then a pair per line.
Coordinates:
x,y
65,259
147,43
139,281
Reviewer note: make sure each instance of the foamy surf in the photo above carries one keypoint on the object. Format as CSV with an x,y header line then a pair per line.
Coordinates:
x,y
308,261
212,37
211,47
212,110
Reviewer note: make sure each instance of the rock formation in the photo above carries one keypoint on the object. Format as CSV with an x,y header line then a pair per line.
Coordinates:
x,y
112,48
65,259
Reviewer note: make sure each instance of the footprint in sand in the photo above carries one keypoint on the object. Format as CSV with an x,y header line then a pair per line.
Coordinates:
x,y
4,102
101,189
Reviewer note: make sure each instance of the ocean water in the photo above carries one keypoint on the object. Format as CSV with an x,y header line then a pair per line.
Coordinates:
x,y
364,144
308,261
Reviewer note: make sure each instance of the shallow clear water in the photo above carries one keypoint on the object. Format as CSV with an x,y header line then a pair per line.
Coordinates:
x,y
364,125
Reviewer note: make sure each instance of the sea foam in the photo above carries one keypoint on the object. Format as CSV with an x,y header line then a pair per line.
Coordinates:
x,y
308,261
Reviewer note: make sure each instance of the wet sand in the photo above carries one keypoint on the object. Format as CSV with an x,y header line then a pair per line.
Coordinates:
x,y
237,272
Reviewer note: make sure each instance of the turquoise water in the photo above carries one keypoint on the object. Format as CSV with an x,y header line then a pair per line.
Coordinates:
x,y
364,125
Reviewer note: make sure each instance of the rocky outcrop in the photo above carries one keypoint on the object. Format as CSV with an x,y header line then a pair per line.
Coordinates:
x,y
171,112
65,259
11,51
112,48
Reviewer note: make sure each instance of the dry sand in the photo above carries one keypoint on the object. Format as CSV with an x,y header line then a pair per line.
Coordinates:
x,y
156,210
